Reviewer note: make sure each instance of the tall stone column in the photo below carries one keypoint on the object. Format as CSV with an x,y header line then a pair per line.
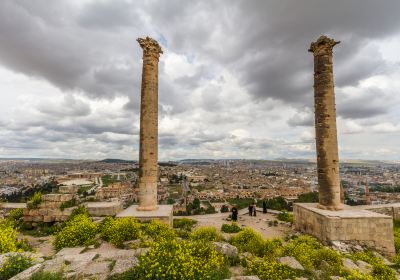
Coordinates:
x,y
148,153
325,125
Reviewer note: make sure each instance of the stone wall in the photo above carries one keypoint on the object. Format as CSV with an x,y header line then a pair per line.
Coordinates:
x,y
49,209
121,190
364,227
392,209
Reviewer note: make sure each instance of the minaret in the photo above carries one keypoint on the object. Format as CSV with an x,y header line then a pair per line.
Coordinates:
x,y
148,153
325,125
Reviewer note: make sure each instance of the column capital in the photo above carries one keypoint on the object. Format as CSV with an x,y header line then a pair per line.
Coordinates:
x,y
150,47
322,46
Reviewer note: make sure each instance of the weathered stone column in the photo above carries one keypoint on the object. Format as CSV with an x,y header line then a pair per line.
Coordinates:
x,y
325,125
148,153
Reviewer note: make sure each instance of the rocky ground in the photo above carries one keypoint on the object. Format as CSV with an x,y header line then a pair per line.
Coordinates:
x,y
258,223
106,260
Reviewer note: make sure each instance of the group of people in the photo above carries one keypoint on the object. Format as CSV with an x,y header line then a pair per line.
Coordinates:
x,y
252,210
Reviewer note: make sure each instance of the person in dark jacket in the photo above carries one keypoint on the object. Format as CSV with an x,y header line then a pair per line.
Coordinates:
x,y
254,209
234,213
250,210
264,207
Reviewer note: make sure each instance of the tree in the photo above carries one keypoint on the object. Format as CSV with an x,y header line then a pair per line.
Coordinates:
x,y
308,197
224,208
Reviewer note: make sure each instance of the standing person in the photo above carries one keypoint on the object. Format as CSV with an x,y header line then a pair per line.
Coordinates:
x,y
254,209
264,207
250,210
234,213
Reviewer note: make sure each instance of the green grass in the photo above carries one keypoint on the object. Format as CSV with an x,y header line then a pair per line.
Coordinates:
x,y
108,180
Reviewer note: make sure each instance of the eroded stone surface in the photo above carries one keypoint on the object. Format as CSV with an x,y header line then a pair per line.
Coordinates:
x,y
148,151
353,226
124,265
349,264
226,249
290,262
325,124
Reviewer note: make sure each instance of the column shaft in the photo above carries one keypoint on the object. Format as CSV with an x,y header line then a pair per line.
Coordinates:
x,y
325,125
148,151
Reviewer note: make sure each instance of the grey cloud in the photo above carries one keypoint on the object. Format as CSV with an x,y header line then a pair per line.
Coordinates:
x,y
370,103
302,118
90,49
69,107
105,15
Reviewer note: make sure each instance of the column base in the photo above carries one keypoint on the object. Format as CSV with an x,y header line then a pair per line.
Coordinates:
x,y
351,224
147,208
163,213
331,207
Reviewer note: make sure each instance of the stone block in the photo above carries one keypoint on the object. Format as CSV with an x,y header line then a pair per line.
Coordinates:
x,y
291,262
124,265
27,273
163,213
102,209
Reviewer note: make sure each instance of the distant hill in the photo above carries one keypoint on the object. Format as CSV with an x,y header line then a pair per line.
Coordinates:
x,y
115,160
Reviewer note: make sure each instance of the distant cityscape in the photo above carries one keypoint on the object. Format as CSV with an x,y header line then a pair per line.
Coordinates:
x,y
217,184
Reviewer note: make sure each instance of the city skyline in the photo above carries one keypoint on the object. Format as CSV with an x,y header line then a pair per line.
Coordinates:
x,y
231,86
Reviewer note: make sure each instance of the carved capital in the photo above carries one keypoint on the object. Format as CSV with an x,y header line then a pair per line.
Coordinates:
x,y
150,47
322,46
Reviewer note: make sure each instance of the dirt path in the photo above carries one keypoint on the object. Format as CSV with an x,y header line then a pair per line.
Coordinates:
x,y
258,223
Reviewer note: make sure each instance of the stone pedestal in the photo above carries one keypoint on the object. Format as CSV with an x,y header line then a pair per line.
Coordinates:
x,y
164,213
360,226
103,209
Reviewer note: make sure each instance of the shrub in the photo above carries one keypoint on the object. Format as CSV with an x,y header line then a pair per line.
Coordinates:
x,y
383,272
380,271
13,265
172,259
313,256
206,234
367,256
356,275
184,223
35,200
271,248
248,240
285,217
8,237
68,204
41,275
266,269
157,230
303,249
230,228
81,230
325,256
80,210
117,231
16,214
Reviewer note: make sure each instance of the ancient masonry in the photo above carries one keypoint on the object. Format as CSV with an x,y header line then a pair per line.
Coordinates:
x,y
50,210
325,125
330,220
148,151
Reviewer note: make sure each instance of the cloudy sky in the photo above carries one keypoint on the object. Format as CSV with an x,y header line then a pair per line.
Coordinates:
x,y
235,78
